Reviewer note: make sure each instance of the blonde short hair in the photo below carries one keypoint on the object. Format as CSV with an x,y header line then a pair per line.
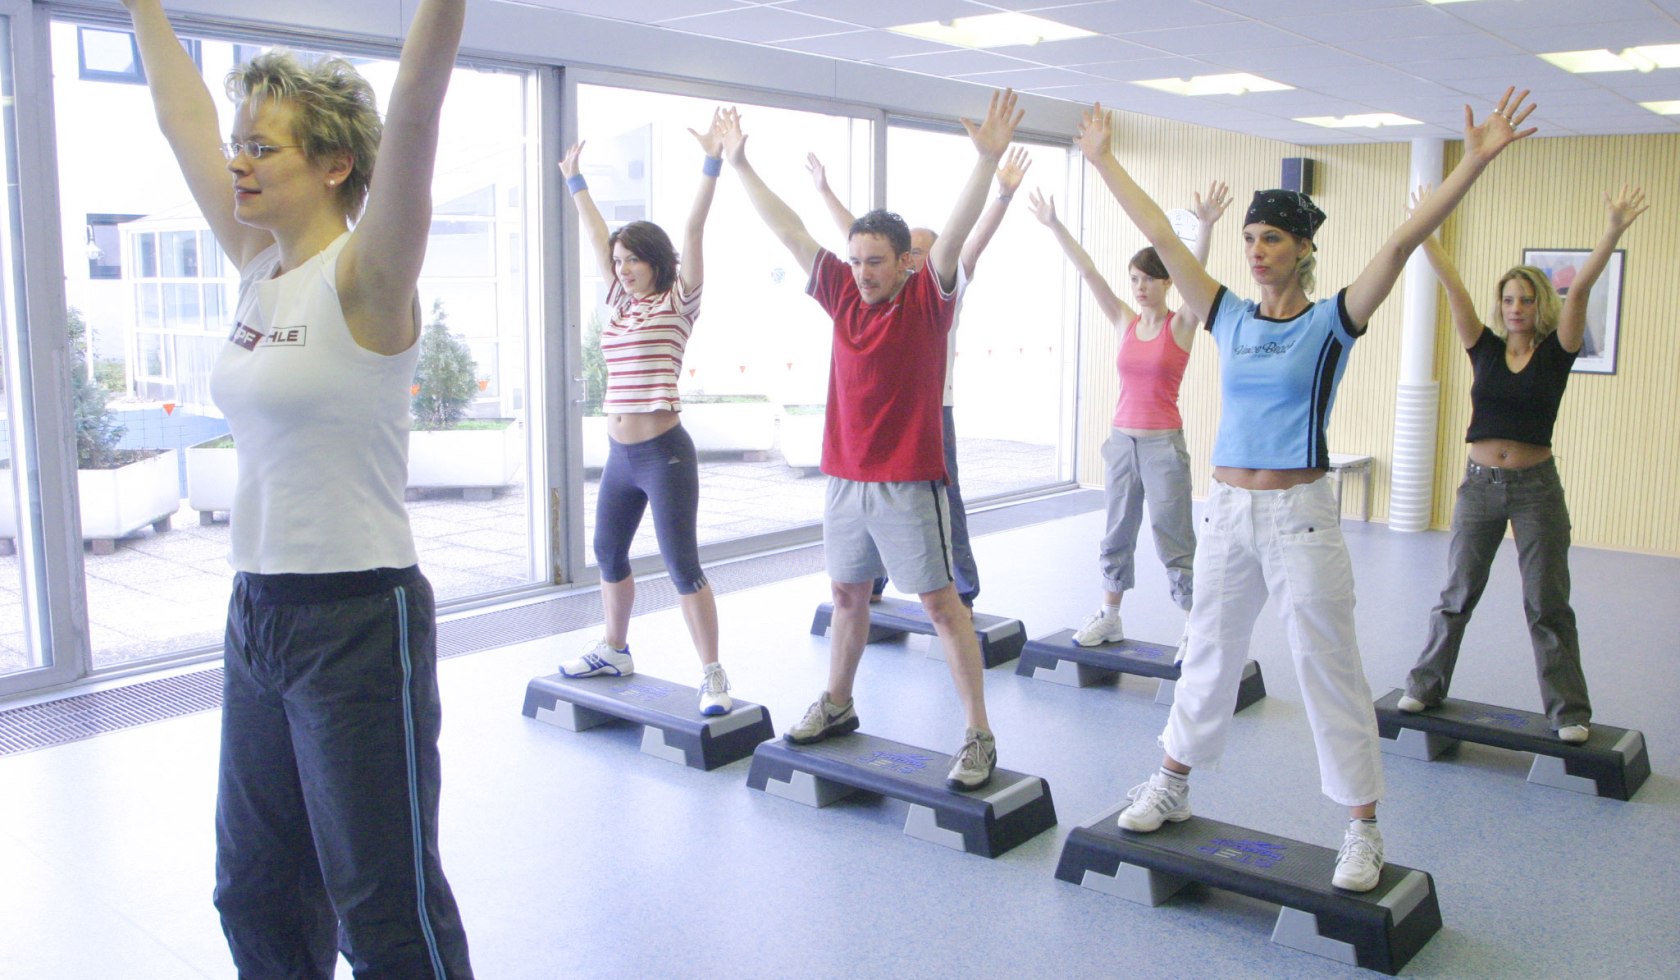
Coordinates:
x,y
1547,306
334,112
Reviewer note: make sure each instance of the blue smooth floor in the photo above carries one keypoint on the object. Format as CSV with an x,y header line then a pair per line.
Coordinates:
x,y
574,855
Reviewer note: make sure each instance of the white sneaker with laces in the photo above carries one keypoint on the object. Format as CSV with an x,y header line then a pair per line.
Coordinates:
x,y
1410,705
1360,861
599,660
823,719
972,768
714,692
1574,733
1101,628
1156,801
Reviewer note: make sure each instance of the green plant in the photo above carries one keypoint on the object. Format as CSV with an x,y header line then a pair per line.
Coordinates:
x,y
446,379
594,367
97,431
111,375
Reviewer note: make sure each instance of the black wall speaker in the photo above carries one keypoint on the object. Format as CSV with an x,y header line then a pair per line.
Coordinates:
x,y
1298,174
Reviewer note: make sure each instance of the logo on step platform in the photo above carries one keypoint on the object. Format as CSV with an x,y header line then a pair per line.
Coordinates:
x,y
643,692
1502,719
1257,854
902,763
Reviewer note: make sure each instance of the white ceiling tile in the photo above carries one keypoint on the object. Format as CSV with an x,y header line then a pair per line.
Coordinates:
x,y
1125,17
1273,10
1287,64
1523,67
761,24
645,12
1417,20
1131,71
1594,33
1502,16
1239,35
957,61
864,45
1085,50
887,13
1028,78
1439,47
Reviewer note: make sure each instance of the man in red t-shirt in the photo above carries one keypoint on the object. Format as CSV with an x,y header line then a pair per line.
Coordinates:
x,y
883,439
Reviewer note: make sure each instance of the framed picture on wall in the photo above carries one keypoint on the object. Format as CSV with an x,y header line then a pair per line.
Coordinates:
x,y
1604,309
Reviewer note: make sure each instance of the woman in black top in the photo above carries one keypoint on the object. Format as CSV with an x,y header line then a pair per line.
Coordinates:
x,y
1518,382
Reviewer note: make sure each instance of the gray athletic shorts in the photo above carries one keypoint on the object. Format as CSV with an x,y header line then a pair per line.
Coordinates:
x,y
902,530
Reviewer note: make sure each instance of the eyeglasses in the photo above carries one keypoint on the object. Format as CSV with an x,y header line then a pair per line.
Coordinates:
x,y
253,149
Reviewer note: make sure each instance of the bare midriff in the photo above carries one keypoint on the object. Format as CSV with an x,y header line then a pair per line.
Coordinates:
x,y
629,428
1247,479
1508,454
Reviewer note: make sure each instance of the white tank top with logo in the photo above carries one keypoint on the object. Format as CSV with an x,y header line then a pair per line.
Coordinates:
x,y
320,424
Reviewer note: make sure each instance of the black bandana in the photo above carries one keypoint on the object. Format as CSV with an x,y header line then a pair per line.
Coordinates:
x,y
1291,211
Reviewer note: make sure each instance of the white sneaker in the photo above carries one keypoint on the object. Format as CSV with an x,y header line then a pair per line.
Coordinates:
x,y
1102,628
1574,733
1411,705
714,692
1360,861
1155,802
974,762
600,660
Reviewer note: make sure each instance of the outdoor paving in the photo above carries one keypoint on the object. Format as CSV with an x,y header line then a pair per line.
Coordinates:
x,y
160,592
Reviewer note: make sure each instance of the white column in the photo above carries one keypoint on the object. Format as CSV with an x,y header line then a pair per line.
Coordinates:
x,y
1417,405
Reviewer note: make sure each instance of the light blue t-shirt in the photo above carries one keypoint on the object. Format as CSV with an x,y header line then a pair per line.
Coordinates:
x,y
1278,381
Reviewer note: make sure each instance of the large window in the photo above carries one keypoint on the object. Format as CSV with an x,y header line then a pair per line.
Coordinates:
x,y
1015,331
156,568
756,371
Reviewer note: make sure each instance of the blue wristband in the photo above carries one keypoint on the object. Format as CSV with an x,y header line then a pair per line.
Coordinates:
x,y
576,183
712,167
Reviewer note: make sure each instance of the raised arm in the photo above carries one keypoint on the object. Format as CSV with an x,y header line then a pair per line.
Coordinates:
x,y
780,218
991,138
693,256
1044,209
186,113
1481,145
1009,177
1208,211
1465,322
590,222
842,215
1193,282
1624,209
382,260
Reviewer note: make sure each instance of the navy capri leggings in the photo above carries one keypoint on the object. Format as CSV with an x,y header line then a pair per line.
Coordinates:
x,y
662,471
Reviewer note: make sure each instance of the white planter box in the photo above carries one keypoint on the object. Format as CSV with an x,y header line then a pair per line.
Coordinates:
x,y
470,459
801,439
212,475
731,427
114,503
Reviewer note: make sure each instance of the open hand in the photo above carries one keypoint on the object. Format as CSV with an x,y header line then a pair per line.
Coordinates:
x,y
1498,130
1211,208
1625,207
711,141
1043,208
569,163
1014,168
734,141
1093,132
993,136
819,173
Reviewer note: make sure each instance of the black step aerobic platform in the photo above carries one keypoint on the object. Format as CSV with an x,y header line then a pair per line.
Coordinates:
x,y
1000,638
1611,762
673,727
1379,930
1057,658
1012,808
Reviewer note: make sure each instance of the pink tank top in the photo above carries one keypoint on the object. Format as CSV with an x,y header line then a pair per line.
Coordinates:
x,y
1150,372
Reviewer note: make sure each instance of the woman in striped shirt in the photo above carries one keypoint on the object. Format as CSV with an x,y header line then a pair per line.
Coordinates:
x,y
651,460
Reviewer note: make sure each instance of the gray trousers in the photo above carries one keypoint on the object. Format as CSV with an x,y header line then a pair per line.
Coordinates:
x,y
1158,468
1531,500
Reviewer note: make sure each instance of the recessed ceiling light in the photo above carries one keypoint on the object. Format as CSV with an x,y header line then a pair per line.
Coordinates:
x,y
1238,83
1367,120
992,31
1668,108
1647,57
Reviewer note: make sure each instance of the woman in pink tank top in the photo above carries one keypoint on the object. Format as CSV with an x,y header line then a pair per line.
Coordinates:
x,y
1145,455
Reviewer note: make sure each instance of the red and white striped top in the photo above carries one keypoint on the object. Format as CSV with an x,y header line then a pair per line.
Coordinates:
x,y
643,347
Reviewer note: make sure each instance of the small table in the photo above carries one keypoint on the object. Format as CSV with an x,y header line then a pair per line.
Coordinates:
x,y
1343,464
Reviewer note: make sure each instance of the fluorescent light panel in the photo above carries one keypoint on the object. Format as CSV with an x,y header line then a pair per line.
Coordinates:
x,y
1647,57
1668,108
992,31
1239,83
1367,120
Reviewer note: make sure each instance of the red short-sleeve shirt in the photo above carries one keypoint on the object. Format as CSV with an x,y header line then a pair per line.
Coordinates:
x,y
886,379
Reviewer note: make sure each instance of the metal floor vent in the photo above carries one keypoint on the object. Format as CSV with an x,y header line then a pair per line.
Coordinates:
x,y
70,719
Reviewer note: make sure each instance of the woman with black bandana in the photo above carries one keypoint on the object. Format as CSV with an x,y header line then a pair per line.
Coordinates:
x,y
1270,523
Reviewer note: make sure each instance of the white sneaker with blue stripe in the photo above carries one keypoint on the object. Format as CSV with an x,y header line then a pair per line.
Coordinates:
x,y
601,660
